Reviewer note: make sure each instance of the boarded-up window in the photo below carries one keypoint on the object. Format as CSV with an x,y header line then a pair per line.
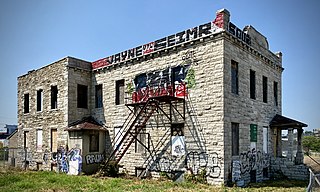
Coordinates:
x,y
265,139
235,138
178,146
234,77
252,84
265,89
82,91
39,140
54,144
26,103
98,96
94,141
120,92
141,140
54,97
39,99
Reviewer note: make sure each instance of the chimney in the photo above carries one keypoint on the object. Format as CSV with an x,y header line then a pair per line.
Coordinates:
x,y
222,18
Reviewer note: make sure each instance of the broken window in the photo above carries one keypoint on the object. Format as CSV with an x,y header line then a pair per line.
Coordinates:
x,y
275,93
82,96
39,99
26,103
98,96
234,77
54,97
265,89
120,92
252,84
235,138
94,141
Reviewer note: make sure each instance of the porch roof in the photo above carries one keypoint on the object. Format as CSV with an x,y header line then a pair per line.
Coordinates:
x,y
87,123
285,122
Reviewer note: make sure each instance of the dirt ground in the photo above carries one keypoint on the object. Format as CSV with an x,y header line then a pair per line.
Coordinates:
x,y
313,162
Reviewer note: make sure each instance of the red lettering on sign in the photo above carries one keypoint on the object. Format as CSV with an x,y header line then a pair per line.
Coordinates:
x,y
219,20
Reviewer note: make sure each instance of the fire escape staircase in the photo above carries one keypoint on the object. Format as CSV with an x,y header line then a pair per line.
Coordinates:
x,y
133,125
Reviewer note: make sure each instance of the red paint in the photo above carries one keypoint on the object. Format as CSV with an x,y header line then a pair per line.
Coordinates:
x,y
148,48
100,63
143,94
219,20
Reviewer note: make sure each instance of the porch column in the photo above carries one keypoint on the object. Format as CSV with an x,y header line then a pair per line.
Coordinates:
x,y
299,156
290,144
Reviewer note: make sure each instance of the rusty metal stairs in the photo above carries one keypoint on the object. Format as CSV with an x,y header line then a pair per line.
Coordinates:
x,y
133,125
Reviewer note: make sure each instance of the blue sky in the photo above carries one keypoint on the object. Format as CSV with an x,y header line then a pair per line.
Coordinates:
x,y
36,33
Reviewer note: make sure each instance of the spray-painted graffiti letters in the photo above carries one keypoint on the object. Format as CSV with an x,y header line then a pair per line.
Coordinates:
x,y
253,160
197,162
94,158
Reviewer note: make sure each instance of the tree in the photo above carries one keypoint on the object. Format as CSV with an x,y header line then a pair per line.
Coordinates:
x,y
311,143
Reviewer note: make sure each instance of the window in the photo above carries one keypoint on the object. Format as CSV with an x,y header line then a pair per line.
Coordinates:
x,y
252,84
98,96
82,96
39,99
265,89
26,139
275,93
26,103
54,97
120,92
39,140
141,140
234,77
235,138
53,142
94,141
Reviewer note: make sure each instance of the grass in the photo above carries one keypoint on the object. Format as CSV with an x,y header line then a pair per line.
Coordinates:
x,y
50,181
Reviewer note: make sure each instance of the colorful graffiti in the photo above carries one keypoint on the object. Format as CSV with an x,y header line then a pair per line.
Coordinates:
x,y
75,161
94,158
67,161
197,162
170,81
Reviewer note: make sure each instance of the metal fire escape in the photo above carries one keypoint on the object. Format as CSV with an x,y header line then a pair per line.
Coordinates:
x,y
137,120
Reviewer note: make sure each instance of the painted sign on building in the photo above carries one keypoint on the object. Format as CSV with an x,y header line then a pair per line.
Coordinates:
x,y
170,81
163,43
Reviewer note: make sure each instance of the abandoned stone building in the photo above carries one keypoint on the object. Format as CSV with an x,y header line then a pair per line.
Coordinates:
x,y
206,100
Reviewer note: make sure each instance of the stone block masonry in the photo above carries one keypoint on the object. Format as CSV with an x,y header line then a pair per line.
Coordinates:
x,y
218,130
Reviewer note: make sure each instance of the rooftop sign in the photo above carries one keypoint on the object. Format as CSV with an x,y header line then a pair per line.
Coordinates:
x,y
172,40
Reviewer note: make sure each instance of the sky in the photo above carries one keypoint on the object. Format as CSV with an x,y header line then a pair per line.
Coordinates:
x,y
36,33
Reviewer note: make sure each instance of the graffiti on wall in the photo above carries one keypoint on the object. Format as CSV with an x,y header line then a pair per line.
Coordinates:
x,y
94,158
75,161
250,160
211,163
254,160
170,81
67,161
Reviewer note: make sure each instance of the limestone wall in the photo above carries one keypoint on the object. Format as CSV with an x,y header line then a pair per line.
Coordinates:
x,y
47,119
240,108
